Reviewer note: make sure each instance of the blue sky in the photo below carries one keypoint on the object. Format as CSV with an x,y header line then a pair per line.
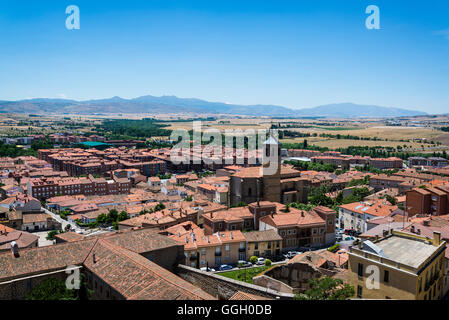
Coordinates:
x,y
291,53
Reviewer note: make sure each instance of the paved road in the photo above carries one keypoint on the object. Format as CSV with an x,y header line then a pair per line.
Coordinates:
x,y
43,242
62,221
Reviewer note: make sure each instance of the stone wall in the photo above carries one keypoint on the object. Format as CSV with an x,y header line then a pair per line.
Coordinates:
x,y
224,288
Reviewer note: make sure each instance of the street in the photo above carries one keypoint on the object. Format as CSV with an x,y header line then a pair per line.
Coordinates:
x,y
63,222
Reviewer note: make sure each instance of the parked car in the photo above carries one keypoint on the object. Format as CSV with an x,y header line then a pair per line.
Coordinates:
x,y
260,261
339,238
291,254
207,269
244,263
349,239
224,267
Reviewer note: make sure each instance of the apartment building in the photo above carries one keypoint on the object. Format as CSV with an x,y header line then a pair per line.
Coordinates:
x,y
203,250
435,162
386,163
428,200
43,188
298,228
354,216
409,267
267,244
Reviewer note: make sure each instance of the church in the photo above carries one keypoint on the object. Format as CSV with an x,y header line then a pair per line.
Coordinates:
x,y
270,182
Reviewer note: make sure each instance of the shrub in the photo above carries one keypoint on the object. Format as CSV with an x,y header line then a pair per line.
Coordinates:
x,y
51,235
253,259
334,248
268,262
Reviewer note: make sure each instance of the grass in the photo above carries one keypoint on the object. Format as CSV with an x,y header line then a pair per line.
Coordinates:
x,y
240,274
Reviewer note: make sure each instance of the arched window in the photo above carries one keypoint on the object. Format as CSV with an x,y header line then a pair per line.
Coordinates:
x,y
267,150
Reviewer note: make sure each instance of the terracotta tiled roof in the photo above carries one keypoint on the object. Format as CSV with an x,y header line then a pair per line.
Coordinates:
x,y
70,236
23,239
267,235
137,278
373,207
293,218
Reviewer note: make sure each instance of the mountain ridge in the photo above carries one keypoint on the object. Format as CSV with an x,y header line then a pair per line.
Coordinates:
x,y
173,104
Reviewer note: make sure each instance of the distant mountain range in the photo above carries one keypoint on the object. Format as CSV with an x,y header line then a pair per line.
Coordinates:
x,y
172,104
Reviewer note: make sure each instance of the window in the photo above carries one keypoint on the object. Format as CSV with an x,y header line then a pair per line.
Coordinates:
x,y
256,246
359,291
269,244
278,243
386,276
360,270
227,247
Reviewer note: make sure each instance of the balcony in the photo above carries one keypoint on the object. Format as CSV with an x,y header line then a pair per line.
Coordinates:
x,y
242,249
218,254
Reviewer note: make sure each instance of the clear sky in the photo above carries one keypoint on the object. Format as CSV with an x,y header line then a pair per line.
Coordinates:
x,y
291,53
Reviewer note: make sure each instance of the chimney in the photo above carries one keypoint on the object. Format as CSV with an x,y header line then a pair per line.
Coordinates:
x,y
412,229
426,223
360,245
15,249
418,231
94,260
436,238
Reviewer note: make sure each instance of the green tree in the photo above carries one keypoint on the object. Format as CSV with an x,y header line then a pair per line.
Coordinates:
x,y
268,262
327,289
112,216
253,259
51,235
102,218
391,199
52,289
123,216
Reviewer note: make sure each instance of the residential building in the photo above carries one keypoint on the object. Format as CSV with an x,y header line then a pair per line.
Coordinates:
x,y
267,244
354,216
408,267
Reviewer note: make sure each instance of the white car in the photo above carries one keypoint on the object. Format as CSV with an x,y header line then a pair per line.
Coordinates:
x,y
205,269
260,261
